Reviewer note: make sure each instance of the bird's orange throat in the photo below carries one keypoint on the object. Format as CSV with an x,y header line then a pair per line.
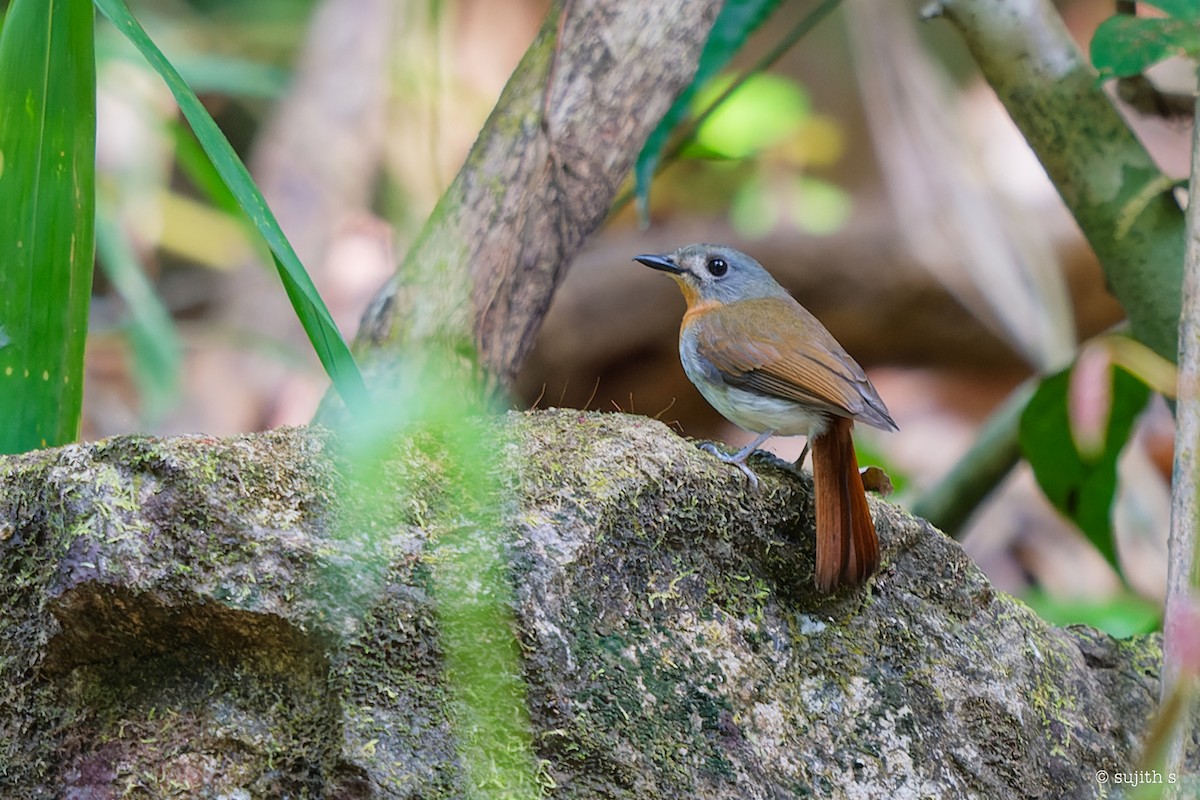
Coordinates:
x,y
695,306
690,293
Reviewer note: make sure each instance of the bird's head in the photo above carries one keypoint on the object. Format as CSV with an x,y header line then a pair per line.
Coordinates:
x,y
711,273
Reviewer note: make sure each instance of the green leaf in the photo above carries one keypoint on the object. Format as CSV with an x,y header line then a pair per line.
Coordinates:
x,y
737,20
196,166
326,340
1183,9
47,214
436,414
1081,488
1124,46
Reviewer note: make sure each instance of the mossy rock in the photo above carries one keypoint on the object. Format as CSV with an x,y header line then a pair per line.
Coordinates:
x,y
252,617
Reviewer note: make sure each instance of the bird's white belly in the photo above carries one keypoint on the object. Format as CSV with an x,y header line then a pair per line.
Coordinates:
x,y
758,412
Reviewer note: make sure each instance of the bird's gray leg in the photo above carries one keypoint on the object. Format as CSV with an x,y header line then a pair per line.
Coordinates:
x,y
803,454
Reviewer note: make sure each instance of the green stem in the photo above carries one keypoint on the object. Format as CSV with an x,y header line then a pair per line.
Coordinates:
x,y
949,504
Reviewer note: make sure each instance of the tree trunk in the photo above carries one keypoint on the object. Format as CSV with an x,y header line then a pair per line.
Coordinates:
x,y
537,182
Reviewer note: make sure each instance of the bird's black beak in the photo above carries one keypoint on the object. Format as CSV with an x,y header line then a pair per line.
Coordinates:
x,y
665,263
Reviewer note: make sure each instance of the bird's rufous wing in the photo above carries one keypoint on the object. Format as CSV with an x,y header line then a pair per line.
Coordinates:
x,y
775,347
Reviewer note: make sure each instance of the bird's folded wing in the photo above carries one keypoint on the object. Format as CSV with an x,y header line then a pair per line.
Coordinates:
x,y
792,357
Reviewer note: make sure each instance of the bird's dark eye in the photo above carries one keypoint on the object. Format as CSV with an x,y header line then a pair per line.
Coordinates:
x,y
717,267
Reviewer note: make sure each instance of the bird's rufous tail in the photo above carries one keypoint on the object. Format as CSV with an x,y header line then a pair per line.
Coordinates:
x,y
847,547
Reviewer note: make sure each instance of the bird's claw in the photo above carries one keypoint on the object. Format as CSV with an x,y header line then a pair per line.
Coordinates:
x,y
749,473
738,460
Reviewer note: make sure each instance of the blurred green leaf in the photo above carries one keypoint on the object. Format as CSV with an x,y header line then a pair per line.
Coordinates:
x,y
1122,616
199,169
765,110
436,449
1124,45
326,340
234,77
1184,9
737,20
1081,488
752,210
157,351
47,213
819,207
813,205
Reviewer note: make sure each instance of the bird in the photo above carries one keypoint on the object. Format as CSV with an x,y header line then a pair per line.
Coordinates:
x,y
770,367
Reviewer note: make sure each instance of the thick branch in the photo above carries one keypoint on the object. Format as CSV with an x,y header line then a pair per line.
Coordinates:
x,y
1121,201
1183,575
539,179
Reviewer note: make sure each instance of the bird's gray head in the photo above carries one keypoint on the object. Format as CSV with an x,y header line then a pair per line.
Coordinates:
x,y
715,273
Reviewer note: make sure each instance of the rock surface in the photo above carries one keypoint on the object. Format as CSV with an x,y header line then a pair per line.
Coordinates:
x,y
233,618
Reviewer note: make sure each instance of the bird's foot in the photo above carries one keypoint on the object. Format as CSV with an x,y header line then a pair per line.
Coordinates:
x,y
738,459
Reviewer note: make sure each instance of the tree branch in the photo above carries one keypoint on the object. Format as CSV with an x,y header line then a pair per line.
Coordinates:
x,y
950,503
1122,202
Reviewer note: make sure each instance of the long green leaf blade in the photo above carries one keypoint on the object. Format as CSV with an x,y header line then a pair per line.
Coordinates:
x,y
47,217
318,323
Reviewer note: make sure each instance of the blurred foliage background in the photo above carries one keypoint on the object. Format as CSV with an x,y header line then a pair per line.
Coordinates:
x,y
870,169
